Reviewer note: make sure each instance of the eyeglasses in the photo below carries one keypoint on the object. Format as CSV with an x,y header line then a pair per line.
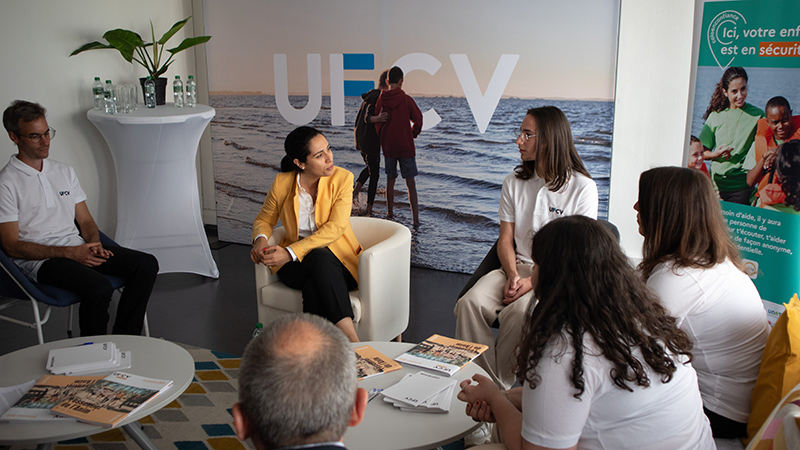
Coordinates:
x,y
37,137
525,136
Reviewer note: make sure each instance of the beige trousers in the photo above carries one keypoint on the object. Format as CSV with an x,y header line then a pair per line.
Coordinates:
x,y
477,310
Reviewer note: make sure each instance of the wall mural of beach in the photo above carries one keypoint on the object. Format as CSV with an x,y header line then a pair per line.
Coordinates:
x,y
460,168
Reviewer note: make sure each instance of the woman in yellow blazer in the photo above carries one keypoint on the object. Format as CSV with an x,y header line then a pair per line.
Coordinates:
x,y
319,254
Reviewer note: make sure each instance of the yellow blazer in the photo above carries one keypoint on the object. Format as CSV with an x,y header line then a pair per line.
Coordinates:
x,y
331,215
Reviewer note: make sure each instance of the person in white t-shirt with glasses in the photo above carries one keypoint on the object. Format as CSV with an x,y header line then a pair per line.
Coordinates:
x,y
46,228
550,182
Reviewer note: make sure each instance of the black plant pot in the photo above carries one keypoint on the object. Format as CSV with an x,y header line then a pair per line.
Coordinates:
x,y
161,90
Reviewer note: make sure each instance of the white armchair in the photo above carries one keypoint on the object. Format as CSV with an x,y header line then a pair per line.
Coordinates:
x,y
381,302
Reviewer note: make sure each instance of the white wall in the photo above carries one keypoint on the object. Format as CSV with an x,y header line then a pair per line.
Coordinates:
x,y
654,86
37,38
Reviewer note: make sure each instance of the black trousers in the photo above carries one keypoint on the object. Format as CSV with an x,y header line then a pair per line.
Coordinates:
x,y
372,159
325,283
139,270
722,427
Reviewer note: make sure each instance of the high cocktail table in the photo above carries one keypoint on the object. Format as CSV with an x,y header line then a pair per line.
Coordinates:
x,y
387,427
151,358
158,202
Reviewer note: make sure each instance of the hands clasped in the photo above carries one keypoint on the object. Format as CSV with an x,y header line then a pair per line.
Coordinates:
x,y
269,255
515,288
91,254
477,397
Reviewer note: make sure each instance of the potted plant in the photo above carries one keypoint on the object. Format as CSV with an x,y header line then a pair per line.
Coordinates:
x,y
131,46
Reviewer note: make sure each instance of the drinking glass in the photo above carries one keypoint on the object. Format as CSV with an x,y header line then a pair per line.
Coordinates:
x,y
123,98
134,97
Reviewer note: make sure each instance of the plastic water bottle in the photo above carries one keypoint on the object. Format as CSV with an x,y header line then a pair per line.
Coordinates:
x,y
150,92
191,92
97,91
257,331
110,98
177,91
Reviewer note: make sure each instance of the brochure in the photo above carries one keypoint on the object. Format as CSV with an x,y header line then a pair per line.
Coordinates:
x,y
370,362
37,402
442,354
111,399
417,389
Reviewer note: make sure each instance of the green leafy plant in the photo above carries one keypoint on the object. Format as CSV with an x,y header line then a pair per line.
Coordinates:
x,y
131,46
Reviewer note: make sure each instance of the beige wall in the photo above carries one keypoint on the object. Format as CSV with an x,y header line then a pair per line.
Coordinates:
x,y
654,73
37,38
655,79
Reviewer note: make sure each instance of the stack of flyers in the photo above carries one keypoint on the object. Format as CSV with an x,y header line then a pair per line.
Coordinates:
x,y
421,392
88,358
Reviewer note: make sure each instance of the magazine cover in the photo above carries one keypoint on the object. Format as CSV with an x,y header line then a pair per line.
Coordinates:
x,y
45,394
111,399
370,362
442,354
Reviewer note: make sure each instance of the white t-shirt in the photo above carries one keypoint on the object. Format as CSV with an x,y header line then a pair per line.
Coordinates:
x,y
529,205
43,203
665,416
722,312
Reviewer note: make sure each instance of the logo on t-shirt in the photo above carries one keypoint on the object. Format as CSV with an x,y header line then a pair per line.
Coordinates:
x,y
556,210
63,193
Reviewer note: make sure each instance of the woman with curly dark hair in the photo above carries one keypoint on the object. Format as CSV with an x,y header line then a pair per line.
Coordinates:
x,y
690,261
602,365
787,165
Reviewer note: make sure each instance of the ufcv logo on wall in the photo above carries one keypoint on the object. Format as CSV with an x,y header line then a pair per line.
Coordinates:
x,y
481,104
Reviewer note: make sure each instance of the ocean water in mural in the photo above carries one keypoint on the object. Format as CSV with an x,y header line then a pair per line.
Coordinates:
x,y
461,171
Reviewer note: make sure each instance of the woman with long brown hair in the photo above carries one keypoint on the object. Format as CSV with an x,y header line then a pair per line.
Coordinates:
x,y
550,182
602,365
728,134
690,261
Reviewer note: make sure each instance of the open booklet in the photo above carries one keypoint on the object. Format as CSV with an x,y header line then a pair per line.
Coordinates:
x,y
370,362
111,399
442,354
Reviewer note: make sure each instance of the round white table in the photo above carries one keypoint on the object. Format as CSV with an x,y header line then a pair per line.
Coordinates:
x,y
151,358
387,427
158,203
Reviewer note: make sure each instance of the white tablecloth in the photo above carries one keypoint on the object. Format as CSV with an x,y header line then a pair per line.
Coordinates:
x,y
158,204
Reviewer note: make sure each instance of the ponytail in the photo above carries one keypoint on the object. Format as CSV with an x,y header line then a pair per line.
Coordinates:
x,y
296,147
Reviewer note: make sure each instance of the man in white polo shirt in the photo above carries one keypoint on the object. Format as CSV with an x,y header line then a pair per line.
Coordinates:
x,y
41,201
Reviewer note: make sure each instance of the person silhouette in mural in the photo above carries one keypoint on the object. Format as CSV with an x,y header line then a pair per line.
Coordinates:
x,y
550,182
397,140
46,228
787,164
368,143
778,127
728,132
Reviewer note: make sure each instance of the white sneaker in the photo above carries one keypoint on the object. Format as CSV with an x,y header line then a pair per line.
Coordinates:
x,y
482,435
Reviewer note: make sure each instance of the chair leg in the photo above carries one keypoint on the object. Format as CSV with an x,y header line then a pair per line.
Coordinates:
x,y
70,315
38,321
146,326
398,338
